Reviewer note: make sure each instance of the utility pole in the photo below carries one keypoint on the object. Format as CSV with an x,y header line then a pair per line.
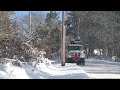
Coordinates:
x,y
63,37
7,25
30,24
78,28
15,27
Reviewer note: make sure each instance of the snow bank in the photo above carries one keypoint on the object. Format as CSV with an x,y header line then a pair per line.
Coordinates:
x,y
12,72
9,71
69,71
42,71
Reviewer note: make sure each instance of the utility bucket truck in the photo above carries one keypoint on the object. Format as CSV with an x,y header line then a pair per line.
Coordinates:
x,y
75,53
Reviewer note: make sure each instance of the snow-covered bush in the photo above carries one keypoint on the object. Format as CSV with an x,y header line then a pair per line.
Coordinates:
x,y
22,59
30,62
12,45
38,57
16,63
15,57
3,60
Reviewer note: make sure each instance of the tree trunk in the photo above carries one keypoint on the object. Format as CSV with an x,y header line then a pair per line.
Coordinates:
x,y
106,51
87,52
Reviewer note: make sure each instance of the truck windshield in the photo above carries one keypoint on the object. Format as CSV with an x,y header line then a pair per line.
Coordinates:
x,y
74,48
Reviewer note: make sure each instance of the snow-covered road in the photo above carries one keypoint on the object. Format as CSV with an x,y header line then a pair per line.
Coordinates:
x,y
42,71
93,69
102,69
69,71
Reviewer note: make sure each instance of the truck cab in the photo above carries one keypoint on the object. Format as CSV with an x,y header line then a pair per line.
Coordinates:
x,y
75,54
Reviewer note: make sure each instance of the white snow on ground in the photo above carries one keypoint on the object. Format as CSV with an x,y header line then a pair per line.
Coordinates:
x,y
102,69
104,76
42,71
13,72
69,71
93,69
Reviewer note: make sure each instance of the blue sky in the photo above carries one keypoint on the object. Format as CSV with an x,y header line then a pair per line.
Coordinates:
x,y
20,13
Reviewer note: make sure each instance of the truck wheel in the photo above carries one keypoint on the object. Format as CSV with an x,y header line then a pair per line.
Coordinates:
x,y
77,63
83,63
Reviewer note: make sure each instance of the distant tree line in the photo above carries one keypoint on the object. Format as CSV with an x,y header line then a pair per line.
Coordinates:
x,y
98,30
45,34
